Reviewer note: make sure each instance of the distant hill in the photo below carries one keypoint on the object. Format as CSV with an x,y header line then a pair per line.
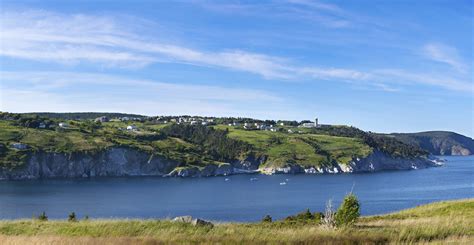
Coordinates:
x,y
439,142
81,115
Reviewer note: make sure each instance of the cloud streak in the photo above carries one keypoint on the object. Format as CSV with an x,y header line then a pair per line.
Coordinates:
x,y
65,91
444,54
74,39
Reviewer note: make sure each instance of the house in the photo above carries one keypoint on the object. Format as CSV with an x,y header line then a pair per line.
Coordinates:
x,y
102,119
290,131
132,128
282,124
19,146
63,125
193,122
310,124
274,129
42,125
125,119
204,123
307,125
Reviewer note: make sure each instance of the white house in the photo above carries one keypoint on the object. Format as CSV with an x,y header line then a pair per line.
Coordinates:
x,y
307,125
132,128
204,123
102,119
63,125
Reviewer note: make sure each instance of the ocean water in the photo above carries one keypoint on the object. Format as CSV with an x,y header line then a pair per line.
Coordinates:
x,y
237,197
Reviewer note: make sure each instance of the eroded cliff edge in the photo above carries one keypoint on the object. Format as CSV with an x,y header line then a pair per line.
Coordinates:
x,y
123,161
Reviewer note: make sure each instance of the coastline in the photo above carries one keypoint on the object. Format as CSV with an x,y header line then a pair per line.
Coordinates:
x,y
123,161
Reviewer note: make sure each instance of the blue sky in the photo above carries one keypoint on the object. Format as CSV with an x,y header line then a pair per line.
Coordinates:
x,y
384,66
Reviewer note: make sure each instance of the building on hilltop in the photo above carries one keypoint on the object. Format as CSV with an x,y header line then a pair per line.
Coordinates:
x,y
307,124
102,119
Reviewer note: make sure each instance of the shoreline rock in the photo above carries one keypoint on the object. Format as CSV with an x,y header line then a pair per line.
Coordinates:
x,y
122,161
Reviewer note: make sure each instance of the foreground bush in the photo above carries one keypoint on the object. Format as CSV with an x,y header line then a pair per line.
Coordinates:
x,y
305,216
348,212
267,219
72,217
43,217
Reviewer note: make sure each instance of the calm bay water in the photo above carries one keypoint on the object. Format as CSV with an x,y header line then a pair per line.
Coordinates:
x,y
235,198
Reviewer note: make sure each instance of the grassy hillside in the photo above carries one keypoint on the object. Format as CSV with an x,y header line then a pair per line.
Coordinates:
x,y
303,149
443,222
191,145
439,142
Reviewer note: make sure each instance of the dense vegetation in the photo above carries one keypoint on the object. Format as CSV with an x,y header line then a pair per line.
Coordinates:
x,y
441,223
211,141
389,145
439,142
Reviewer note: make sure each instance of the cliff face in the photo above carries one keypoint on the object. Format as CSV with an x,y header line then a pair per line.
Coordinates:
x,y
440,142
130,162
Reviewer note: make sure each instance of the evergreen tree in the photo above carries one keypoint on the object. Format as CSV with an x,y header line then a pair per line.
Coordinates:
x,y
348,212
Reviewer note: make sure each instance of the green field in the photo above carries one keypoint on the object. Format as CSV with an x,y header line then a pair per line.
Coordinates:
x,y
279,148
439,223
282,148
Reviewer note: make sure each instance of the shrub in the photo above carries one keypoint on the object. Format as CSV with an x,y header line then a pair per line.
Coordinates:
x,y
305,216
43,217
349,211
267,219
72,217
86,217
318,217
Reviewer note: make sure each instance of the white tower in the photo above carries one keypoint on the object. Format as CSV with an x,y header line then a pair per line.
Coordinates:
x,y
316,122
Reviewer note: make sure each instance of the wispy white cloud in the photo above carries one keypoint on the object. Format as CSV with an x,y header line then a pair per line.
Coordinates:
x,y
64,91
71,39
38,36
444,54
320,13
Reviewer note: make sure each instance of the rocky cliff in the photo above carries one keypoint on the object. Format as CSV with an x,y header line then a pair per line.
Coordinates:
x,y
439,142
122,161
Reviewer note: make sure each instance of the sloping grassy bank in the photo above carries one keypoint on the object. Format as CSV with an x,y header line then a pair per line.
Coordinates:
x,y
443,222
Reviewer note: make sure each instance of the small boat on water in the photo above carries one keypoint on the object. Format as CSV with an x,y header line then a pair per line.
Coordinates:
x,y
282,183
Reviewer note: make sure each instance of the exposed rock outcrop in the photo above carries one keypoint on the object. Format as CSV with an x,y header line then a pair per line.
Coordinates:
x,y
122,161
377,161
195,222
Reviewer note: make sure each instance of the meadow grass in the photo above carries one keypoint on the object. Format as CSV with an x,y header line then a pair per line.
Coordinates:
x,y
442,222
